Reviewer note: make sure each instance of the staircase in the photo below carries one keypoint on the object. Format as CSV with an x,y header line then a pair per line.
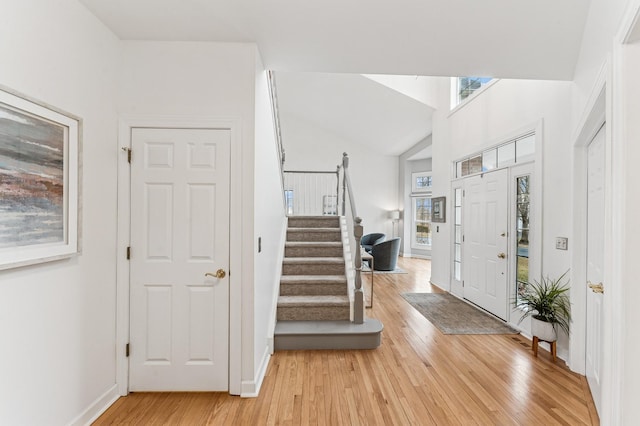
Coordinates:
x,y
313,307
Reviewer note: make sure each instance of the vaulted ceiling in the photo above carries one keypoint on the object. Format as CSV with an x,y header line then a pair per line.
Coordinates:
x,y
499,38
354,107
493,38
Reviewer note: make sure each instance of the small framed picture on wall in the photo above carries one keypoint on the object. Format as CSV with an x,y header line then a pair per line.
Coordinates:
x,y
439,209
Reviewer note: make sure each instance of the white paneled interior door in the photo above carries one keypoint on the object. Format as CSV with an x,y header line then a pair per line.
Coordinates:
x,y
485,241
595,263
179,308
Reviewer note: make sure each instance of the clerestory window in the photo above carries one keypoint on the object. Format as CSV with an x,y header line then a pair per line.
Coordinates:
x,y
464,87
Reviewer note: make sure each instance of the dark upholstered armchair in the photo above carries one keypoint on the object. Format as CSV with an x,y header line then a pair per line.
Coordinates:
x,y
385,254
367,241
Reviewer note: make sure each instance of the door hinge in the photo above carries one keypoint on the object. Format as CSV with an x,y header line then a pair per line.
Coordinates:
x,y
128,151
462,286
462,241
128,253
126,350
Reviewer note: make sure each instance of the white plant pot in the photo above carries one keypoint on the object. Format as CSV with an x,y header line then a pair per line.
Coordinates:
x,y
543,330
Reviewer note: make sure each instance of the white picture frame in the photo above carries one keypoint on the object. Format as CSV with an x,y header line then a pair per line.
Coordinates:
x,y
40,167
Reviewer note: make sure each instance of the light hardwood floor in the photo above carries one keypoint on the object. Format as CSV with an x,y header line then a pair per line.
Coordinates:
x,y
418,376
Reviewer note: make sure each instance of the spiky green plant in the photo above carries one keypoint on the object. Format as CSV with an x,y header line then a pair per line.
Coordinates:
x,y
547,300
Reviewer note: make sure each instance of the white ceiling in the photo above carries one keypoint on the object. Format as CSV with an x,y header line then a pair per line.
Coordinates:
x,y
355,108
422,154
495,38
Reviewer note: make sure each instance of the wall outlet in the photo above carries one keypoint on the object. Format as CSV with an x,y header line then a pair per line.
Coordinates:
x,y
562,243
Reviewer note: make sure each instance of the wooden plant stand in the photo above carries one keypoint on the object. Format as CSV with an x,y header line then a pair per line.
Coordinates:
x,y
534,346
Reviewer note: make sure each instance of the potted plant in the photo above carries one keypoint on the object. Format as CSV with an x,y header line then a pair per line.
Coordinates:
x,y
547,303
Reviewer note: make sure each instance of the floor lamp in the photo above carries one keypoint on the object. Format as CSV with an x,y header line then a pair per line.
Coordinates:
x,y
395,217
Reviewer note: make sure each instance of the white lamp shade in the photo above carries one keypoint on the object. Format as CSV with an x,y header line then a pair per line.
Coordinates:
x,y
394,214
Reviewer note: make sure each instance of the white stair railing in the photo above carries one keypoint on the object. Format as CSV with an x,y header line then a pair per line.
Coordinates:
x,y
321,193
311,193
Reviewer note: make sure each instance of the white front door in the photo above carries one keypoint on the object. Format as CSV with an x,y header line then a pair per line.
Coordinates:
x,y
595,263
179,315
486,241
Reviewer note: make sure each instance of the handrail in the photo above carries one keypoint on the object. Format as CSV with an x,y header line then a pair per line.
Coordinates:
x,y
347,194
275,111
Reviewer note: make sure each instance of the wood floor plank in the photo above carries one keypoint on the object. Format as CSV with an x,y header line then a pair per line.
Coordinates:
x,y
417,376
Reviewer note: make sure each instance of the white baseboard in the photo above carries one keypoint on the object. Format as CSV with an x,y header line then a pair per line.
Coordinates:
x,y
417,256
98,407
251,388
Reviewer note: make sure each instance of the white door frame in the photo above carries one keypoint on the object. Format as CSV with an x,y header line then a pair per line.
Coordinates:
x,y
600,108
536,260
589,126
126,123
612,404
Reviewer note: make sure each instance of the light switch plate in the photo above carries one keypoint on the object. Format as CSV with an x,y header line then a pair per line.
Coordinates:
x,y
562,243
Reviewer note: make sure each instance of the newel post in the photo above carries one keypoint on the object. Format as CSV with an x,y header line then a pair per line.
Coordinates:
x,y
358,302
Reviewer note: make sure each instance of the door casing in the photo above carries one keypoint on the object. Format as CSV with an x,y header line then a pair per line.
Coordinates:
x,y
126,123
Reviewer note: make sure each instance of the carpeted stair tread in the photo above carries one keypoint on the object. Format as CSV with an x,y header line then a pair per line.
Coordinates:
x,y
298,285
314,260
313,244
313,278
315,230
314,234
314,222
313,301
313,249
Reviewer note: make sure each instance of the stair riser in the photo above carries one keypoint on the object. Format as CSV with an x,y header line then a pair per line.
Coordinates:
x,y
313,236
313,252
313,313
313,289
312,269
311,342
307,222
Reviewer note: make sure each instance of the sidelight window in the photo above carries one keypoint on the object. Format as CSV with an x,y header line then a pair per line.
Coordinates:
x,y
523,210
457,241
422,222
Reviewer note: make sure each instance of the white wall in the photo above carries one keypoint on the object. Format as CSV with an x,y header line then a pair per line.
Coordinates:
x,y
269,225
57,320
420,88
603,22
212,80
504,110
374,176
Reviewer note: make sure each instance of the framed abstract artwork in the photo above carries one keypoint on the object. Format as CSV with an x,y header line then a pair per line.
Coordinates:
x,y
40,150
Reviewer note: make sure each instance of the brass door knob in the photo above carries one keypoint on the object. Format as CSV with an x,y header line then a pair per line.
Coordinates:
x,y
596,288
502,255
220,274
